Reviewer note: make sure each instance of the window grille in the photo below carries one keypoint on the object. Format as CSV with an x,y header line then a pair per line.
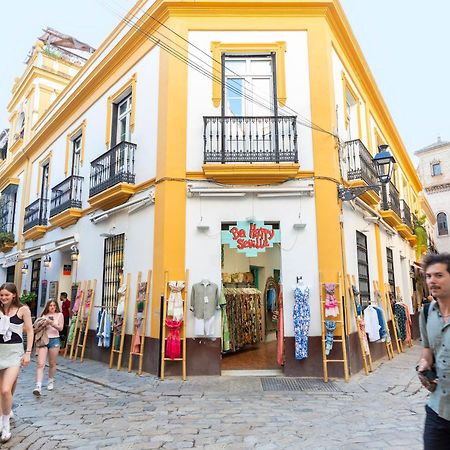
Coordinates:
x,y
442,224
390,269
112,270
363,269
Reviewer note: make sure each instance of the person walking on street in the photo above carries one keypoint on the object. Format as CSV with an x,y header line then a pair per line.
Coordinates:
x,y
55,323
434,365
15,318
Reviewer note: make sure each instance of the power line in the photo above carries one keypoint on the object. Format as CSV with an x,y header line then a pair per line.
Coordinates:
x,y
205,71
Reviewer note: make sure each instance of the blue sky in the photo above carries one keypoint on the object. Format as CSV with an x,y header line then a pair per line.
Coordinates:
x,y
404,41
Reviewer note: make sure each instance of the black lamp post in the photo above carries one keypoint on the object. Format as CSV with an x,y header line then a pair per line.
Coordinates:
x,y
384,165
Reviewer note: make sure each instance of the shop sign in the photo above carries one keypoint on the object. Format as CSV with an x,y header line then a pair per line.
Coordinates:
x,y
67,269
251,238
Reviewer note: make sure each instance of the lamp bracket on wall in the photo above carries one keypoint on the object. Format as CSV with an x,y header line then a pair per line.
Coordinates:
x,y
346,194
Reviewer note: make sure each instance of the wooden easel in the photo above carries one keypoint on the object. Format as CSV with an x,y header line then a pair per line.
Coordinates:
x,y
389,347
119,351
400,296
182,359
340,329
85,318
398,341
142,296
365,354
76,318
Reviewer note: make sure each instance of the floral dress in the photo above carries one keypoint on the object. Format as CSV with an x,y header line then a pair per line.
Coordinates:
x,y
302,319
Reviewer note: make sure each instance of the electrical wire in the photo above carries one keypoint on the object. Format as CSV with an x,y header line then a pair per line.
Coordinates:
x,y
206,71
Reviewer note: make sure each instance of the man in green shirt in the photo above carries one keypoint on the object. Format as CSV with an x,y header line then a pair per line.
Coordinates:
x,y
434,364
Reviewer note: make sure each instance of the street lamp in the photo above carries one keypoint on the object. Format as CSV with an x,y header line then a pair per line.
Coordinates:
x,y
74,253
384,164
47,261
25,268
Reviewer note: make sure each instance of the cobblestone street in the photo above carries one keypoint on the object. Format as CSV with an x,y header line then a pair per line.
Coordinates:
x,y
93,407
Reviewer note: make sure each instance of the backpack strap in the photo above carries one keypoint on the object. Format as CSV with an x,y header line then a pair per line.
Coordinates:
x,y
426,309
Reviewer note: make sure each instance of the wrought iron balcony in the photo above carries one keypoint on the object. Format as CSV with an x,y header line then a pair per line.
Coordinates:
x,y
66,194
113,167
357,164
391,201
406,214
35,214
229,139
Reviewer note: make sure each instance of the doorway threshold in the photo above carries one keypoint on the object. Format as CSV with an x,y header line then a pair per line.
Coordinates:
x,y
253,373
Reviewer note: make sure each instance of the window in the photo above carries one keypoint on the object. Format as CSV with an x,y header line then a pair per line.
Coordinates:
x,y
248,85
442,224
8,208
123,112
45,180
436,169
20,127
76,155
390,269
363,269
112,270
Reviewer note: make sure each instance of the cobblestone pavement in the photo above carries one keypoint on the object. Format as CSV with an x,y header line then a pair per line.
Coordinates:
x,y
93,407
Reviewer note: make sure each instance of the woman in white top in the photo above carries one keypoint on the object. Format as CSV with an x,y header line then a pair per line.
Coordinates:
x,y
14,319
55,323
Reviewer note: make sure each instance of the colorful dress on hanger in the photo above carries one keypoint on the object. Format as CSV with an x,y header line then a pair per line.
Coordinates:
x,y
331,304
175,302
302,319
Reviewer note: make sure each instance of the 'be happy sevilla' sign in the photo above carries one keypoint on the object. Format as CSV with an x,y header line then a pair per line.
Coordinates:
x,y
251,238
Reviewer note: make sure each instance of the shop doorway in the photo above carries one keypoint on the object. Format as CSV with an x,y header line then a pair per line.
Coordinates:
x,y
251,287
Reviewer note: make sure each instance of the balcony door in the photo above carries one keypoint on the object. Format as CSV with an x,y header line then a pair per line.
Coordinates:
x,y
249,105
76,156
45,181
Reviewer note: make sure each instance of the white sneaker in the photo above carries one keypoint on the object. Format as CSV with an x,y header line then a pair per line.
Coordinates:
x,y
50,385
11,415
6,435
37,391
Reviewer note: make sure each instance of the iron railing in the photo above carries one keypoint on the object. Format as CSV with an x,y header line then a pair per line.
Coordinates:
x,y
358,163
66,194
35,214
415,219
391,199
406,214
230,139
113,167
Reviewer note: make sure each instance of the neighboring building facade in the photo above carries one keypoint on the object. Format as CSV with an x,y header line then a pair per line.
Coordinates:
x,y
202,117
434,173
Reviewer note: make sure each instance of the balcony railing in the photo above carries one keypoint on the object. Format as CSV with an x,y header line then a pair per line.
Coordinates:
x,y
406,214
391,201
35,214
358,163
230,139
113,167
66,194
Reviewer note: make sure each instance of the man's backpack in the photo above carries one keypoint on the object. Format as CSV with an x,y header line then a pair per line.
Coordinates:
x,y
426,309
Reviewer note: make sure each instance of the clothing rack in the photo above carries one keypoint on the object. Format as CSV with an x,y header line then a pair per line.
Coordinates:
x,y
85,318
142,296
76,318
365,353
119,351
383,306
182,331
339,332
398,341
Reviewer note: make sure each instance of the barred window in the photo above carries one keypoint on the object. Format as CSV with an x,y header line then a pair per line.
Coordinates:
x,y
390,270
363,269
8,208
112,269
442,224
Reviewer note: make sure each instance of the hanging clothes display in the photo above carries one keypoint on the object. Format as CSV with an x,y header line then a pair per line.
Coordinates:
x,y
175,301
331,304
244,316
204,304
330,326
372,324
224,322
136,344
76,305
280,335
363,334
173,341
400,315
302,319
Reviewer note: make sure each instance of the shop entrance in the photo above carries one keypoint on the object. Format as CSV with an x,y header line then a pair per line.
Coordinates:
x,y
251,268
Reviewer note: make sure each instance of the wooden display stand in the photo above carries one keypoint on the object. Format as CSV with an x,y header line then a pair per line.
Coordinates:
x,y
383,306
76,318
365,354
398,341
339,331
119,351
85,316
142,296
182,359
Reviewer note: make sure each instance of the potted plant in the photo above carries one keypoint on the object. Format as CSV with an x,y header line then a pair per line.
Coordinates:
x,y
28,297
6,241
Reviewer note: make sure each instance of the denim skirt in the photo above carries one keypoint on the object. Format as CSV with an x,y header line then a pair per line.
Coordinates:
x,y
10,355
